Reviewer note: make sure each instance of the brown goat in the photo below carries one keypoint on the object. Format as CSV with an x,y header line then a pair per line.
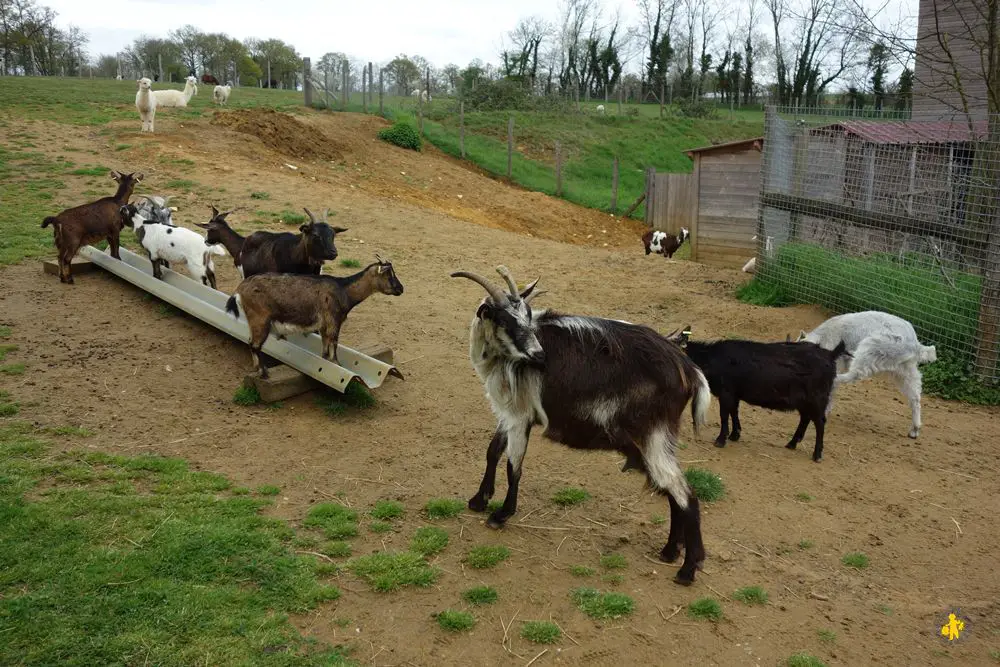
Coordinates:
x,y
297,303
100,220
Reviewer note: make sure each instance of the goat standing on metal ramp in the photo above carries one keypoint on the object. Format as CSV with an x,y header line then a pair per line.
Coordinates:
x,y
591,383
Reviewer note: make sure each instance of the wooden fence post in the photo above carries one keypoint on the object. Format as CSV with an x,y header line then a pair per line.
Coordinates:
x,y
364,89
461,128
326,87
427,86
344,94
558,169
306,83
371,83
510,146
614,180
619,99
663,98
381,111
420,110
650,194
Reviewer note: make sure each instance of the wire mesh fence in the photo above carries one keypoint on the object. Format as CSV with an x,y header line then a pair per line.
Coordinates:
x,y
888,214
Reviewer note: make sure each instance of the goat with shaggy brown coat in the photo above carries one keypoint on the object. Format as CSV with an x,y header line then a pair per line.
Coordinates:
x,y
100,220
304,304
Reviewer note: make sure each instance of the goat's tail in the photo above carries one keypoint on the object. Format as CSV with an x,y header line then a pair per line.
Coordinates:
x,y
702,399
927,355
232,308
51,220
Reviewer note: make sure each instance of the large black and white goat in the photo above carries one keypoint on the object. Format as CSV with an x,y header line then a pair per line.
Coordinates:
x,y
664,244
879,343
590,383
776,376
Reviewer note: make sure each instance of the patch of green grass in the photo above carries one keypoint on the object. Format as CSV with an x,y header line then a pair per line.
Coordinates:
x,y
806,544
541,632
455,621
581,571
387,509
12,369
350,263
89,171
484,556
5,331
750,595
493,506
658,519
336,549
995,654
268,490
241,491
336,521
884,609
444,508
259,195
614,562
246,395
804,497
602,605
705,608
706,484
480,595
123,147
858,561
380,527
827,636
355,397
77,431
569,496
291,217
8,407
183,184
5,350
388,571
614,579
804,660
954,377
103,554
429,540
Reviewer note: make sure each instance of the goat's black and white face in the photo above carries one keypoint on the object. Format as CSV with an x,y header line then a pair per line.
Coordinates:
x,y
505,320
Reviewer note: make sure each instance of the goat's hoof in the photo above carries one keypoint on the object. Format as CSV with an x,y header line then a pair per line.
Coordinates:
x,y
792,445
683,578
914,433
495,522
817,459
478,503
720,443
669,553
734,436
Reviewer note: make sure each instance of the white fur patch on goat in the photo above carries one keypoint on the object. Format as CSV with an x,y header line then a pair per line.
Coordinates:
x,y
656,244
602,411
661,464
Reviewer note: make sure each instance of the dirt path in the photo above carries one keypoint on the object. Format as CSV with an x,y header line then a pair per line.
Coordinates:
x,y
102,355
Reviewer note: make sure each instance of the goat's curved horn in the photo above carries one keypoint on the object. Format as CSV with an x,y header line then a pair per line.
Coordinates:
x,y
495,294
312,217
326,212
509,279
535,295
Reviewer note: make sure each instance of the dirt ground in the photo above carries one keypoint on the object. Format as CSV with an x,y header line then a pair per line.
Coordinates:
x,y
103,356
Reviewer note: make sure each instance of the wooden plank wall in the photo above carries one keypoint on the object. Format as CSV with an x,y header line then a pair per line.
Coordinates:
x,y
675,203
729,189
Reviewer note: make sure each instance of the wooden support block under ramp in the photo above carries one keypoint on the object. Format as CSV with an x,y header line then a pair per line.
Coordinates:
x,y
285,382
77,266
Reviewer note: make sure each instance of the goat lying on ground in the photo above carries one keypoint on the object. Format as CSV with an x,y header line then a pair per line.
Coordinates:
x,y
662,243
145,104
879,343
306,304
776,376
219,232
165,242
284,252
591,383
100,220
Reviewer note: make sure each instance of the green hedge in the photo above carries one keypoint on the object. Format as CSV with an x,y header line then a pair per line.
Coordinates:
x,y
403,135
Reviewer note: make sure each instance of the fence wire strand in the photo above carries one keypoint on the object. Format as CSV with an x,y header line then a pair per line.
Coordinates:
x,y
901,216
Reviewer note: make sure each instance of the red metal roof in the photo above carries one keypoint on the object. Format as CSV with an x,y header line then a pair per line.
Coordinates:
x,y
911,132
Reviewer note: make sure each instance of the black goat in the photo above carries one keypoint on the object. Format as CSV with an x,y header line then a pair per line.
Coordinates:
x,y
776,376
284,252
591,383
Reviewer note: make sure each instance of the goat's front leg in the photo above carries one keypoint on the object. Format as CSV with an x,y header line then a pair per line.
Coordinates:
x,y
113,244
724,412
517,444
800,431
480,501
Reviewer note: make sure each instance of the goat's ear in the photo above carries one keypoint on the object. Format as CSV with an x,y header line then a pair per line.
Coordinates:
x,y
485,311
339,230
530,288
802,336
115,175
203,225
306,228
788,338
382,268
139,177
215,212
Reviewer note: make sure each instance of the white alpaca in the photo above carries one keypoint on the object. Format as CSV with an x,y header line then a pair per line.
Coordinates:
x,y
879,343
177,98
221,93
145,102
600,109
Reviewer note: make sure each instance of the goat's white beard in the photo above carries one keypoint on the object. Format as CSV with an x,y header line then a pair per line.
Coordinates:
x,y
513,388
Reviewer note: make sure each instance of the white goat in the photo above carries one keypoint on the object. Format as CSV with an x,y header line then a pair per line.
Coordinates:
x,y
165,242
145,103
221,93
177,98
600,109
879,343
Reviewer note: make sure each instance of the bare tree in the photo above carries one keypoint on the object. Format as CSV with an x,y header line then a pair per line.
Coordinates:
x,y
658,19
526,39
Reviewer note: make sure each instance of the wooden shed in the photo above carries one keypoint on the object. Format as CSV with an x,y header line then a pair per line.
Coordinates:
x,y
727,179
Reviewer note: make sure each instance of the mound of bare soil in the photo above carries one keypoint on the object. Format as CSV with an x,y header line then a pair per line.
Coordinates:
x,y
281,132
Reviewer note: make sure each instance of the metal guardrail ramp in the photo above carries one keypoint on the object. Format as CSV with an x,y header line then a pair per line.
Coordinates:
x,y
301,352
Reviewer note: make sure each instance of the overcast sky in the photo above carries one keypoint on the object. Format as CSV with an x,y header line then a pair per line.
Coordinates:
x,y
443,31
